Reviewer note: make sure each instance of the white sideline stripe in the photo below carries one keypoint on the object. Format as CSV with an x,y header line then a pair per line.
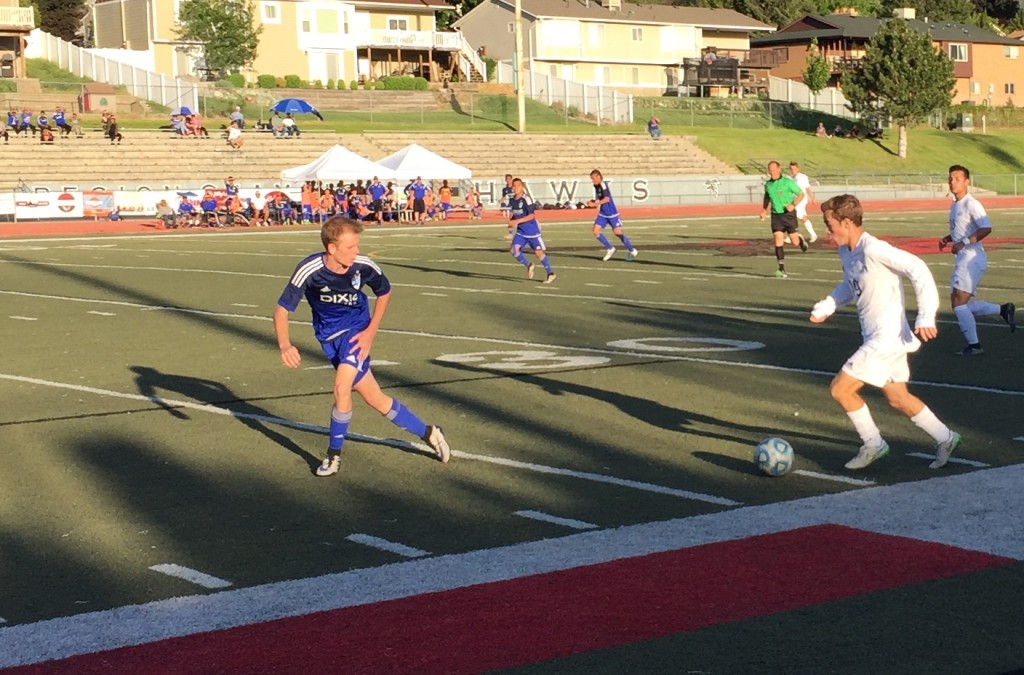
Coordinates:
x,y
242,304
436,295
556,520
3,620
385,545
389,442
23,318
978,511
839,479
93,311
952,460
595,350
645,281
1019,438
598,285
189,574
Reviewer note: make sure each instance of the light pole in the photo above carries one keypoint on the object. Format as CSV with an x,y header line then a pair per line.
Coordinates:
x,y
520,92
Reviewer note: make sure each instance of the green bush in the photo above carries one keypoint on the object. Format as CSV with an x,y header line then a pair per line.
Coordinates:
x,y
341,84
403,83
315,84
236,80
492,68
330,84
353,85
293,81
266,81
8,86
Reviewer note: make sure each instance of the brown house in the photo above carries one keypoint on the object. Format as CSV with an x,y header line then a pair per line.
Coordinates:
x,y
987,66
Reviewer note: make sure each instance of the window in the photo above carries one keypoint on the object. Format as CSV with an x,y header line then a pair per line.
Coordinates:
x,y
398,24
606,74
958,52
596,34
1008,88
975,87
553,70
636,75
1011,52
306,26
511,27
638,34
270,12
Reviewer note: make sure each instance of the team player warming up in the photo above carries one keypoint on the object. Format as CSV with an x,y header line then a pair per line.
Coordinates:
x,y
608,216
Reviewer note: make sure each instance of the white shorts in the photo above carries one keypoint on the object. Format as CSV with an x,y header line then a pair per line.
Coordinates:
x,y
967,271
878,368
801,210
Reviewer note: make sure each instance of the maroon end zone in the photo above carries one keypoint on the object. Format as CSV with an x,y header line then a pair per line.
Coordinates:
x,y
538,618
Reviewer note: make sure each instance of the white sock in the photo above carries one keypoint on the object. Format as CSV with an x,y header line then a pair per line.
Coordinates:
x,y
968,326
932,425
866,427
809,228
982,308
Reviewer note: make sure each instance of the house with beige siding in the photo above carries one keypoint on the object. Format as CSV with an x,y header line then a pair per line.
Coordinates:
x,y
15,24
631,47
349,40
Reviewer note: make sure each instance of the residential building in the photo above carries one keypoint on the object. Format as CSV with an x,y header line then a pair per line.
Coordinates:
x,y
15,24
637,48
316,40
987,67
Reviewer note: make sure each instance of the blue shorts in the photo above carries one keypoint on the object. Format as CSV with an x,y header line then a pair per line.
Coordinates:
x,y
608,221
535,243
341,350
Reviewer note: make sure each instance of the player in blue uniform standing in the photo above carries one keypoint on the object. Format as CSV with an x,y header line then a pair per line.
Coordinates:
x,y
525,231
334,284
377,190
608,215
419,200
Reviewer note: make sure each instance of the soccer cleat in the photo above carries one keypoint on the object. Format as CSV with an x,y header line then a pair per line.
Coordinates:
x,y
781,274
436,440
551,278
529,271
803,244
1009,314
944,450
608,254
632,255
814,238
971,350
330,465
867,455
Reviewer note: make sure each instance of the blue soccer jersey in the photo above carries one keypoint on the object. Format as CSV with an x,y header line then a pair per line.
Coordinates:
x,y
608,209
338,301
419,190
377,191
520,207
506,195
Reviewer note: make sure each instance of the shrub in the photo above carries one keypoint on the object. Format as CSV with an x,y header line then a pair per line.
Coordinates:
x,y
279,81
574,111
341,84
492,68
353,85
266,81
330,84
315,84
293,81
236,80
403,83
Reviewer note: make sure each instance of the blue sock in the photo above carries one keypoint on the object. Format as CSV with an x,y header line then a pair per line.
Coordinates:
x,y
604,241
625,241
547,265
402,417
522,259
339,429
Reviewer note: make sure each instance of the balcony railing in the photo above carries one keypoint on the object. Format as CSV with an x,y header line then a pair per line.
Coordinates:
x,y
412,39
17,17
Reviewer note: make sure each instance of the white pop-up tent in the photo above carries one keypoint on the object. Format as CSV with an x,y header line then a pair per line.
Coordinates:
x,y
415,160
337,163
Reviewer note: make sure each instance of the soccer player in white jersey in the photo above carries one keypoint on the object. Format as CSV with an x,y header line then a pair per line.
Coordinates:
x,y
968,225
334,282
804,183
873,273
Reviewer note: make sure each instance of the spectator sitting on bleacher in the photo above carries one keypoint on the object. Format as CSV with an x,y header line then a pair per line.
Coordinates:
x,y
235,139
260,213
45,136
195,123
476,209
26,122
60,122
290,128
76,125
113,134
187,212
654,127
6,135
165,213
42,121
105,121
178,126
238,118
276,126
209,207
13,123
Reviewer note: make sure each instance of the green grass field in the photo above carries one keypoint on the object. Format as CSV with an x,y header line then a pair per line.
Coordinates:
x,y
147,418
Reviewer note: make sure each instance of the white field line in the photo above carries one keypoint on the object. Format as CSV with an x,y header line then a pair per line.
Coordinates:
x,y
555,520
243,304
839,479
191,575
1019,438
385,545
435,295
952,460
595,350
977,511
389,442
23,318
143,269
93,311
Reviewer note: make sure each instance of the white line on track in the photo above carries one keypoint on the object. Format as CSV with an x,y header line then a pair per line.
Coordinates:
x,y
556,520
242,304
862,482
385,545
23,318
436,295
191,575
389,442
598,285
93,311
645,281
952,460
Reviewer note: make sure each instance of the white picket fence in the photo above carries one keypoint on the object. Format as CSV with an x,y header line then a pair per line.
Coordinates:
x,y
829,100
141,82
604,103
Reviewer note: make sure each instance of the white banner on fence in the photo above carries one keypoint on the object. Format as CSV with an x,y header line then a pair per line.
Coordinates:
x,y
6,204
48,205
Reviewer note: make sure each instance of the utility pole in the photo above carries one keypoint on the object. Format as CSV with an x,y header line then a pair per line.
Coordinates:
x,y
520,71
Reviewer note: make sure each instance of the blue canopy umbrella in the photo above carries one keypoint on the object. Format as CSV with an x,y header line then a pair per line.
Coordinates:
x,y
295,105
183,110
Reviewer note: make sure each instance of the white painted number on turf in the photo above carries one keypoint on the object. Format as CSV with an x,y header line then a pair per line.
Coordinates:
x,y
686,344
523,360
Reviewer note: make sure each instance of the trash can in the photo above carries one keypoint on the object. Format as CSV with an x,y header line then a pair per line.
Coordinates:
x,y
7,65
965,122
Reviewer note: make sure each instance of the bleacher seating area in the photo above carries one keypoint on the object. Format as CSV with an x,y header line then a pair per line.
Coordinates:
x,y
158,159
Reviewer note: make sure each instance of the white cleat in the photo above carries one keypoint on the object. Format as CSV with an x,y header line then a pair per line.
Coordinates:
x,y
330,465
551,278
814,238
529,271
436,440
632,255
608,254
867,455
944,450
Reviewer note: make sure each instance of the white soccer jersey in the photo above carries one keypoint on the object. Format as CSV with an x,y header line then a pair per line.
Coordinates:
x,y
967,216
873,277
804,183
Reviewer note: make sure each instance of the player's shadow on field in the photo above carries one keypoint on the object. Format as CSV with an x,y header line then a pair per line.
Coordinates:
x,y
461,274
638,264
150,381
727,462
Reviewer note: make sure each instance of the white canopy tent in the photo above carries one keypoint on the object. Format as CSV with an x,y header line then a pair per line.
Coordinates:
x,y
337,163
415,160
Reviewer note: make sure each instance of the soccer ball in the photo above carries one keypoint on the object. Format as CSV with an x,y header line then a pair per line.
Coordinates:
x,y
774,456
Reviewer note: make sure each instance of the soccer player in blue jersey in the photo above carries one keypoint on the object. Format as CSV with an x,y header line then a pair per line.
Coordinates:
x,y
334,283
608,215
419,200
377,190
526,230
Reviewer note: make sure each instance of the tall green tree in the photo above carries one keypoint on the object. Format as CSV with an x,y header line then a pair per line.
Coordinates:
x,y
226,29
62,18
903,78
818,72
